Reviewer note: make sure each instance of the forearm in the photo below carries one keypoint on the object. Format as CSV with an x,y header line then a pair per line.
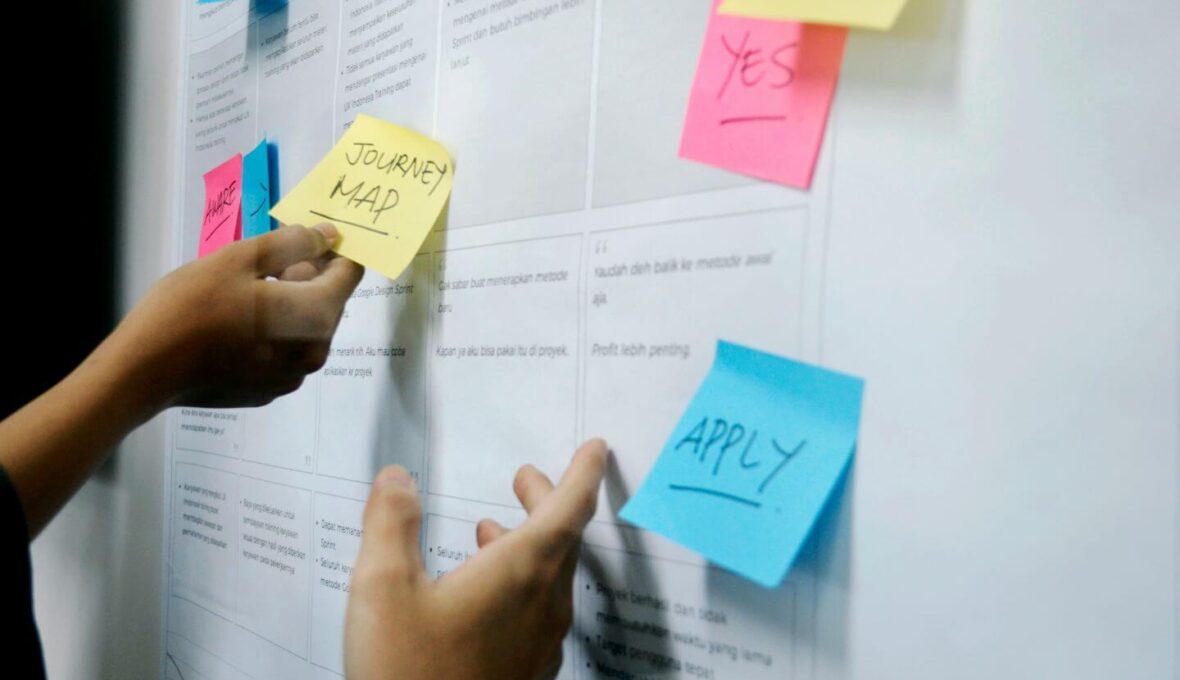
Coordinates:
x,y
196,338
53,444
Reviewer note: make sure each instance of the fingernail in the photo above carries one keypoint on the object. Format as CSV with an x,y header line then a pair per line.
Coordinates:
x,y
394,474
328,232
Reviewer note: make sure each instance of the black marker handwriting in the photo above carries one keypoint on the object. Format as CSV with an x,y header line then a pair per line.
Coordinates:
x,y
736,451
752,68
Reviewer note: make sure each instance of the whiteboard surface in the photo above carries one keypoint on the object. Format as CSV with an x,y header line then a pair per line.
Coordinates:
x,y
1000,263
1004,268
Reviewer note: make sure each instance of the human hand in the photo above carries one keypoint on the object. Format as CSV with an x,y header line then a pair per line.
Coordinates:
x,y
501,615
218,332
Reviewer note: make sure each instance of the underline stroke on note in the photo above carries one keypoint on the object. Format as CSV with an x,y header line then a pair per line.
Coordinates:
x,y
214,229
714,492
752,119
351,224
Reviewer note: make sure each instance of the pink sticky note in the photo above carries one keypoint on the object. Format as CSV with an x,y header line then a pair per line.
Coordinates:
x,y
761,97
222,221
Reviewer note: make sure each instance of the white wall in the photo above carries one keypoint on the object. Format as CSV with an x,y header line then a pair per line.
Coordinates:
x,y
97,567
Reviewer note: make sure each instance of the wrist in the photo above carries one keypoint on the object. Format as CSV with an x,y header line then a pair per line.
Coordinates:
x,y
135,369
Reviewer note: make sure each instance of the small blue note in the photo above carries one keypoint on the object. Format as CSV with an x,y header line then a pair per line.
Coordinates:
x,y
256,192
752,462
261,6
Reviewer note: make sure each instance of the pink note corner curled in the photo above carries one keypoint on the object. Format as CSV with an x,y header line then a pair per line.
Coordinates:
x,y
221,219
761,96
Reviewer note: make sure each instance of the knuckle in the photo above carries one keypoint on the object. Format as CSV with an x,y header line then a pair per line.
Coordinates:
x,y
288,232
401,503
304,242
588,504
562,535
369,575
568,535
262,248
236,254
315,357
355,274
527,575
406,505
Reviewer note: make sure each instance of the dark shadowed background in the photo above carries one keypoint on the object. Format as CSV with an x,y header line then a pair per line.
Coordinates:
x,y
64,170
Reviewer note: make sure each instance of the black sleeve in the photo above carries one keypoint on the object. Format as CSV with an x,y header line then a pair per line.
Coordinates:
x,y
24,643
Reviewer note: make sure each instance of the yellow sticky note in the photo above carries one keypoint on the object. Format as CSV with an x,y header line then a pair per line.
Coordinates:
x,y
878,14
382,185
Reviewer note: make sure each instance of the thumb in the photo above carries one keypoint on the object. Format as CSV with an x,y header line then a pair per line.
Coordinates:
x,y
290,245
392,520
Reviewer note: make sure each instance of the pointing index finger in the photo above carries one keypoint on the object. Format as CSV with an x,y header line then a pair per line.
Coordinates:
x,y
568,509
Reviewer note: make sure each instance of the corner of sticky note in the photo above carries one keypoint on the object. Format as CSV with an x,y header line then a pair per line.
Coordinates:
x,y
221,222
752,462
877,14
761,96
383,186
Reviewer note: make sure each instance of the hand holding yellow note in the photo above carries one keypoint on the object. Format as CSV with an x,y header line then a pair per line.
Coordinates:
x,y
382,185
878,14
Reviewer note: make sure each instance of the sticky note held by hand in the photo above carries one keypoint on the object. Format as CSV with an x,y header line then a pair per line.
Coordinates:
x,y
222,220
760,100
752,462
875,14
382,185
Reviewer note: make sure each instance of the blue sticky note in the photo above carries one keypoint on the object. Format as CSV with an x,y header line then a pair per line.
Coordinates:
x,y
256,191
752,462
